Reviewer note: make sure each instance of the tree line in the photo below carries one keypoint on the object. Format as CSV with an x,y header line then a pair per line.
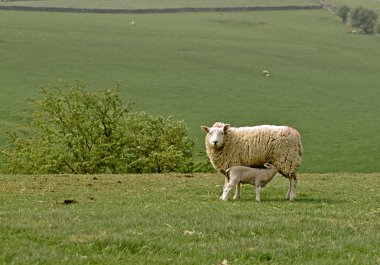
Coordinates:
x,y
362,20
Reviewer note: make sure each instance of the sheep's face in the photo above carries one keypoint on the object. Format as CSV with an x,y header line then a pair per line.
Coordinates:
x,y
215,135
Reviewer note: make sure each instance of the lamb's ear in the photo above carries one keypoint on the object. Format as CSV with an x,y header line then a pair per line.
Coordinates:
x,y
205,129
266,165
226,127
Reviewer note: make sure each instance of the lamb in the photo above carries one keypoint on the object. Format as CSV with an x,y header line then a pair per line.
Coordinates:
x,y
253,147
256,176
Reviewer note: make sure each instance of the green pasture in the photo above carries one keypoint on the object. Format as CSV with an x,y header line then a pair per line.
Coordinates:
x,y
206,67
132,4
179,219
371,4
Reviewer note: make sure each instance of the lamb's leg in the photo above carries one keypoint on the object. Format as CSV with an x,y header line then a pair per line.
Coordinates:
x,y
258,192
292,188
237,192
227,189
258,189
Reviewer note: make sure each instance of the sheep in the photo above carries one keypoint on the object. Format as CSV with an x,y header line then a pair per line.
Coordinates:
x,y
253,147
265,73
258,177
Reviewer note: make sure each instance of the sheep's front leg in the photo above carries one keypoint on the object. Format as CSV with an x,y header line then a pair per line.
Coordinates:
x,y
237,192
226,190
224,187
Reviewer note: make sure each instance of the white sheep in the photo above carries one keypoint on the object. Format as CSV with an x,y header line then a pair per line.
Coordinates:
x,y
253,147
265,73
258,177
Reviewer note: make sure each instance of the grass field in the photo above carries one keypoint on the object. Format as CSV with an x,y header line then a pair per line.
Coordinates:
x,y
205,67
371,4
202,68
178,219
131,4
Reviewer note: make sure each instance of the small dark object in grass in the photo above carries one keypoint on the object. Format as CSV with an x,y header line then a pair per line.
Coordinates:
x,y
68,201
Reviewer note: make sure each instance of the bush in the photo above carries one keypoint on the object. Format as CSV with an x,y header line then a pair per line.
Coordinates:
x,y
157,145
377,28
343,13
75,131
363,19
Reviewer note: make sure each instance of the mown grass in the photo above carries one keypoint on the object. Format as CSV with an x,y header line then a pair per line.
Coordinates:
x,y
179,219
206,67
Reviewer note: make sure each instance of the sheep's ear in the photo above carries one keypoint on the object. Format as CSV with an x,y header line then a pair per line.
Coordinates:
x,y
266,165
226,127
205,129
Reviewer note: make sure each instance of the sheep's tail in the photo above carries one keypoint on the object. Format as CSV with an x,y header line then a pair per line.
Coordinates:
x,y
296,134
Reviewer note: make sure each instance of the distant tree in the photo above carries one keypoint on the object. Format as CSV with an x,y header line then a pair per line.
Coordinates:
x,y
343,12
75,131
363,19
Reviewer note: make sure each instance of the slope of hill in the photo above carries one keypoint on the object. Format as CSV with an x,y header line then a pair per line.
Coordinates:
x,y
206,67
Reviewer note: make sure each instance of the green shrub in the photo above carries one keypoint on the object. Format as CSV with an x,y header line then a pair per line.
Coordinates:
x,y
156,144
363,19
377,28
75,131
343,13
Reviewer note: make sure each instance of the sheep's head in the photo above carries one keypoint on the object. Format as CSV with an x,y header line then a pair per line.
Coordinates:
x,y
215,134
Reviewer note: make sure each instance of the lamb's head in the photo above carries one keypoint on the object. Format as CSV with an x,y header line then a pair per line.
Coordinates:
x,y
216,134
270,166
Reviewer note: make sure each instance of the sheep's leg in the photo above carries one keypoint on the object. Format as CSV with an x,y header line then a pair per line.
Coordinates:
x,y
225,183
237,192
292,188
258,194
226,190
224,187
258,189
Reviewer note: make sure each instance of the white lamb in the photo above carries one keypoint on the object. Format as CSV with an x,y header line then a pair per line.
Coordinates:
x,y
253,147
258,177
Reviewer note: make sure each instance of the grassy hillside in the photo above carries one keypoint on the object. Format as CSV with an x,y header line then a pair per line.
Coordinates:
x,y
132,4
371,4
174,219
205,67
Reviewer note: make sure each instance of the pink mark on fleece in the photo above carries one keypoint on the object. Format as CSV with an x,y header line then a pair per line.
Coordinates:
x,y
294,132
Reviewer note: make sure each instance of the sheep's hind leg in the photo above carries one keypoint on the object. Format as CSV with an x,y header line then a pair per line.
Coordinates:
x,y
292,192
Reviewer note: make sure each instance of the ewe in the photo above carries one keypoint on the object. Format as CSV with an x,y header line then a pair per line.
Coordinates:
x,y
258,177
253,147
